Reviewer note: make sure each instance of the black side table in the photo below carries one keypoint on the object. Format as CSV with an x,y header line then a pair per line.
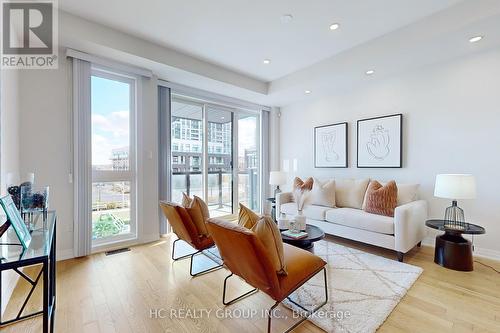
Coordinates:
x,y
452,250
314,234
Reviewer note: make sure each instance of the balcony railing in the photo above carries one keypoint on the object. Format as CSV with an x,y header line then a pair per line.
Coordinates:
x,y
220,187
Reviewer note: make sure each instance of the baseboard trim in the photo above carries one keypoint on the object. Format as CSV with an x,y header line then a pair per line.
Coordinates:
x,y
478,251
68,253
64,254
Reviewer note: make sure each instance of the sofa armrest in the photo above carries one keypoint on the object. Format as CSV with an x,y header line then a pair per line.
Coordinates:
x,y
282,198
409,225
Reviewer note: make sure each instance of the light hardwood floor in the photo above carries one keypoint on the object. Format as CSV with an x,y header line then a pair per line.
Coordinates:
x,y
115,294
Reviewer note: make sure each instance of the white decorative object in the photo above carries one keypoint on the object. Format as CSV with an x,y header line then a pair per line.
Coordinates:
x,y
363,289
300,197
283,222
380,142
330,146
300,221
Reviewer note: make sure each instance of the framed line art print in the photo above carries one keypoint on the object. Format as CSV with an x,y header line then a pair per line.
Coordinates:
x,y
380,142
330,146
16,221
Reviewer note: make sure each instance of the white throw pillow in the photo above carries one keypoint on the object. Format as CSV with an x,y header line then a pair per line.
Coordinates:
x,y
406,193
323,193
350,192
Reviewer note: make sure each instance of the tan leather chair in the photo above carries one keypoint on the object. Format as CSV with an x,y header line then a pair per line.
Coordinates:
x,y
244,255
185,229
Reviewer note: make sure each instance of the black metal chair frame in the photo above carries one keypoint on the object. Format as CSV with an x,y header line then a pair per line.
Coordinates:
x,y
192,255
308,312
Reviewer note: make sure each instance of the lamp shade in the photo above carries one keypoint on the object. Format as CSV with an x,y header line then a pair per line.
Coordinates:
x,y
455,186
277,178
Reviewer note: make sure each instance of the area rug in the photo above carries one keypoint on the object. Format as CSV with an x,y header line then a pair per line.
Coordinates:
x,y
363,289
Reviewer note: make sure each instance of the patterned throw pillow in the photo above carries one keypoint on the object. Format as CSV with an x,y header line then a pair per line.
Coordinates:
x,y
267,231
247,217
381,200
303,185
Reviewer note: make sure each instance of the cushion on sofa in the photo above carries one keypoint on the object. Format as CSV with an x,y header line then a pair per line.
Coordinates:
x,y
310,211
381,200
360,219
350,192
406,193
303,185
323,193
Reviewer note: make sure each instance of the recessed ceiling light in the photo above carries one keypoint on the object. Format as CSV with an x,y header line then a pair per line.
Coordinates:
x,y
370,72
286,18
266,61
334,26
307,92
222,118
475,39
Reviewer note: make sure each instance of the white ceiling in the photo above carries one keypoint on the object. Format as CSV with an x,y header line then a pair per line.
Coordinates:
x,y
239,34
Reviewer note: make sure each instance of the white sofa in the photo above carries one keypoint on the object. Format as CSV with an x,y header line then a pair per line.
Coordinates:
x,y
348,219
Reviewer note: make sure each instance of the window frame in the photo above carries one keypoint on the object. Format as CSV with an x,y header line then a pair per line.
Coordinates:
x,y
130,175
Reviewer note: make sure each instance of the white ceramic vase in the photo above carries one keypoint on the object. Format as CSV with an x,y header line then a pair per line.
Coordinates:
x,y
300,221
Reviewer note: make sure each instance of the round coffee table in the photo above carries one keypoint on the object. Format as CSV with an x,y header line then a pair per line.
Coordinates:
x,y
452,250
314,234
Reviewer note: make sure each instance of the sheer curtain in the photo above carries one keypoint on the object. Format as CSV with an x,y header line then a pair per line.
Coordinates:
x,y
265,164
164,131
82,158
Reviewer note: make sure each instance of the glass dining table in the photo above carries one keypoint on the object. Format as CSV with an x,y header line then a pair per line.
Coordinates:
x,y
40,254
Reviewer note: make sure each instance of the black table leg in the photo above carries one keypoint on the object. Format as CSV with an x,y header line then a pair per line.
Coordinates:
x,y
52,258
45,296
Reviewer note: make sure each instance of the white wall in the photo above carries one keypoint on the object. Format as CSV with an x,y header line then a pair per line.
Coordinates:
x,y
451,125
45,141
9,154
9,150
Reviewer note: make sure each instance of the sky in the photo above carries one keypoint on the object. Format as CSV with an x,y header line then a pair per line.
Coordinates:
x,y
110,118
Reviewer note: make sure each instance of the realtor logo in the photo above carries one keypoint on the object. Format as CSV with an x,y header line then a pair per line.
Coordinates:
x,y
29,34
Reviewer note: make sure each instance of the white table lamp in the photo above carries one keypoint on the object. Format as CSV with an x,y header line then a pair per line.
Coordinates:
x,y
455,187
277,178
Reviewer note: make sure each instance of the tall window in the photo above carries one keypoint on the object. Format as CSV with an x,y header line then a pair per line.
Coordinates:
x,y
113,156
207,142
249,160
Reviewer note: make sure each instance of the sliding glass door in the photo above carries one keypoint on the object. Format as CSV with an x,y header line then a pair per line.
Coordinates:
x,y
220,161
113,157
187,149
249,160
207,142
